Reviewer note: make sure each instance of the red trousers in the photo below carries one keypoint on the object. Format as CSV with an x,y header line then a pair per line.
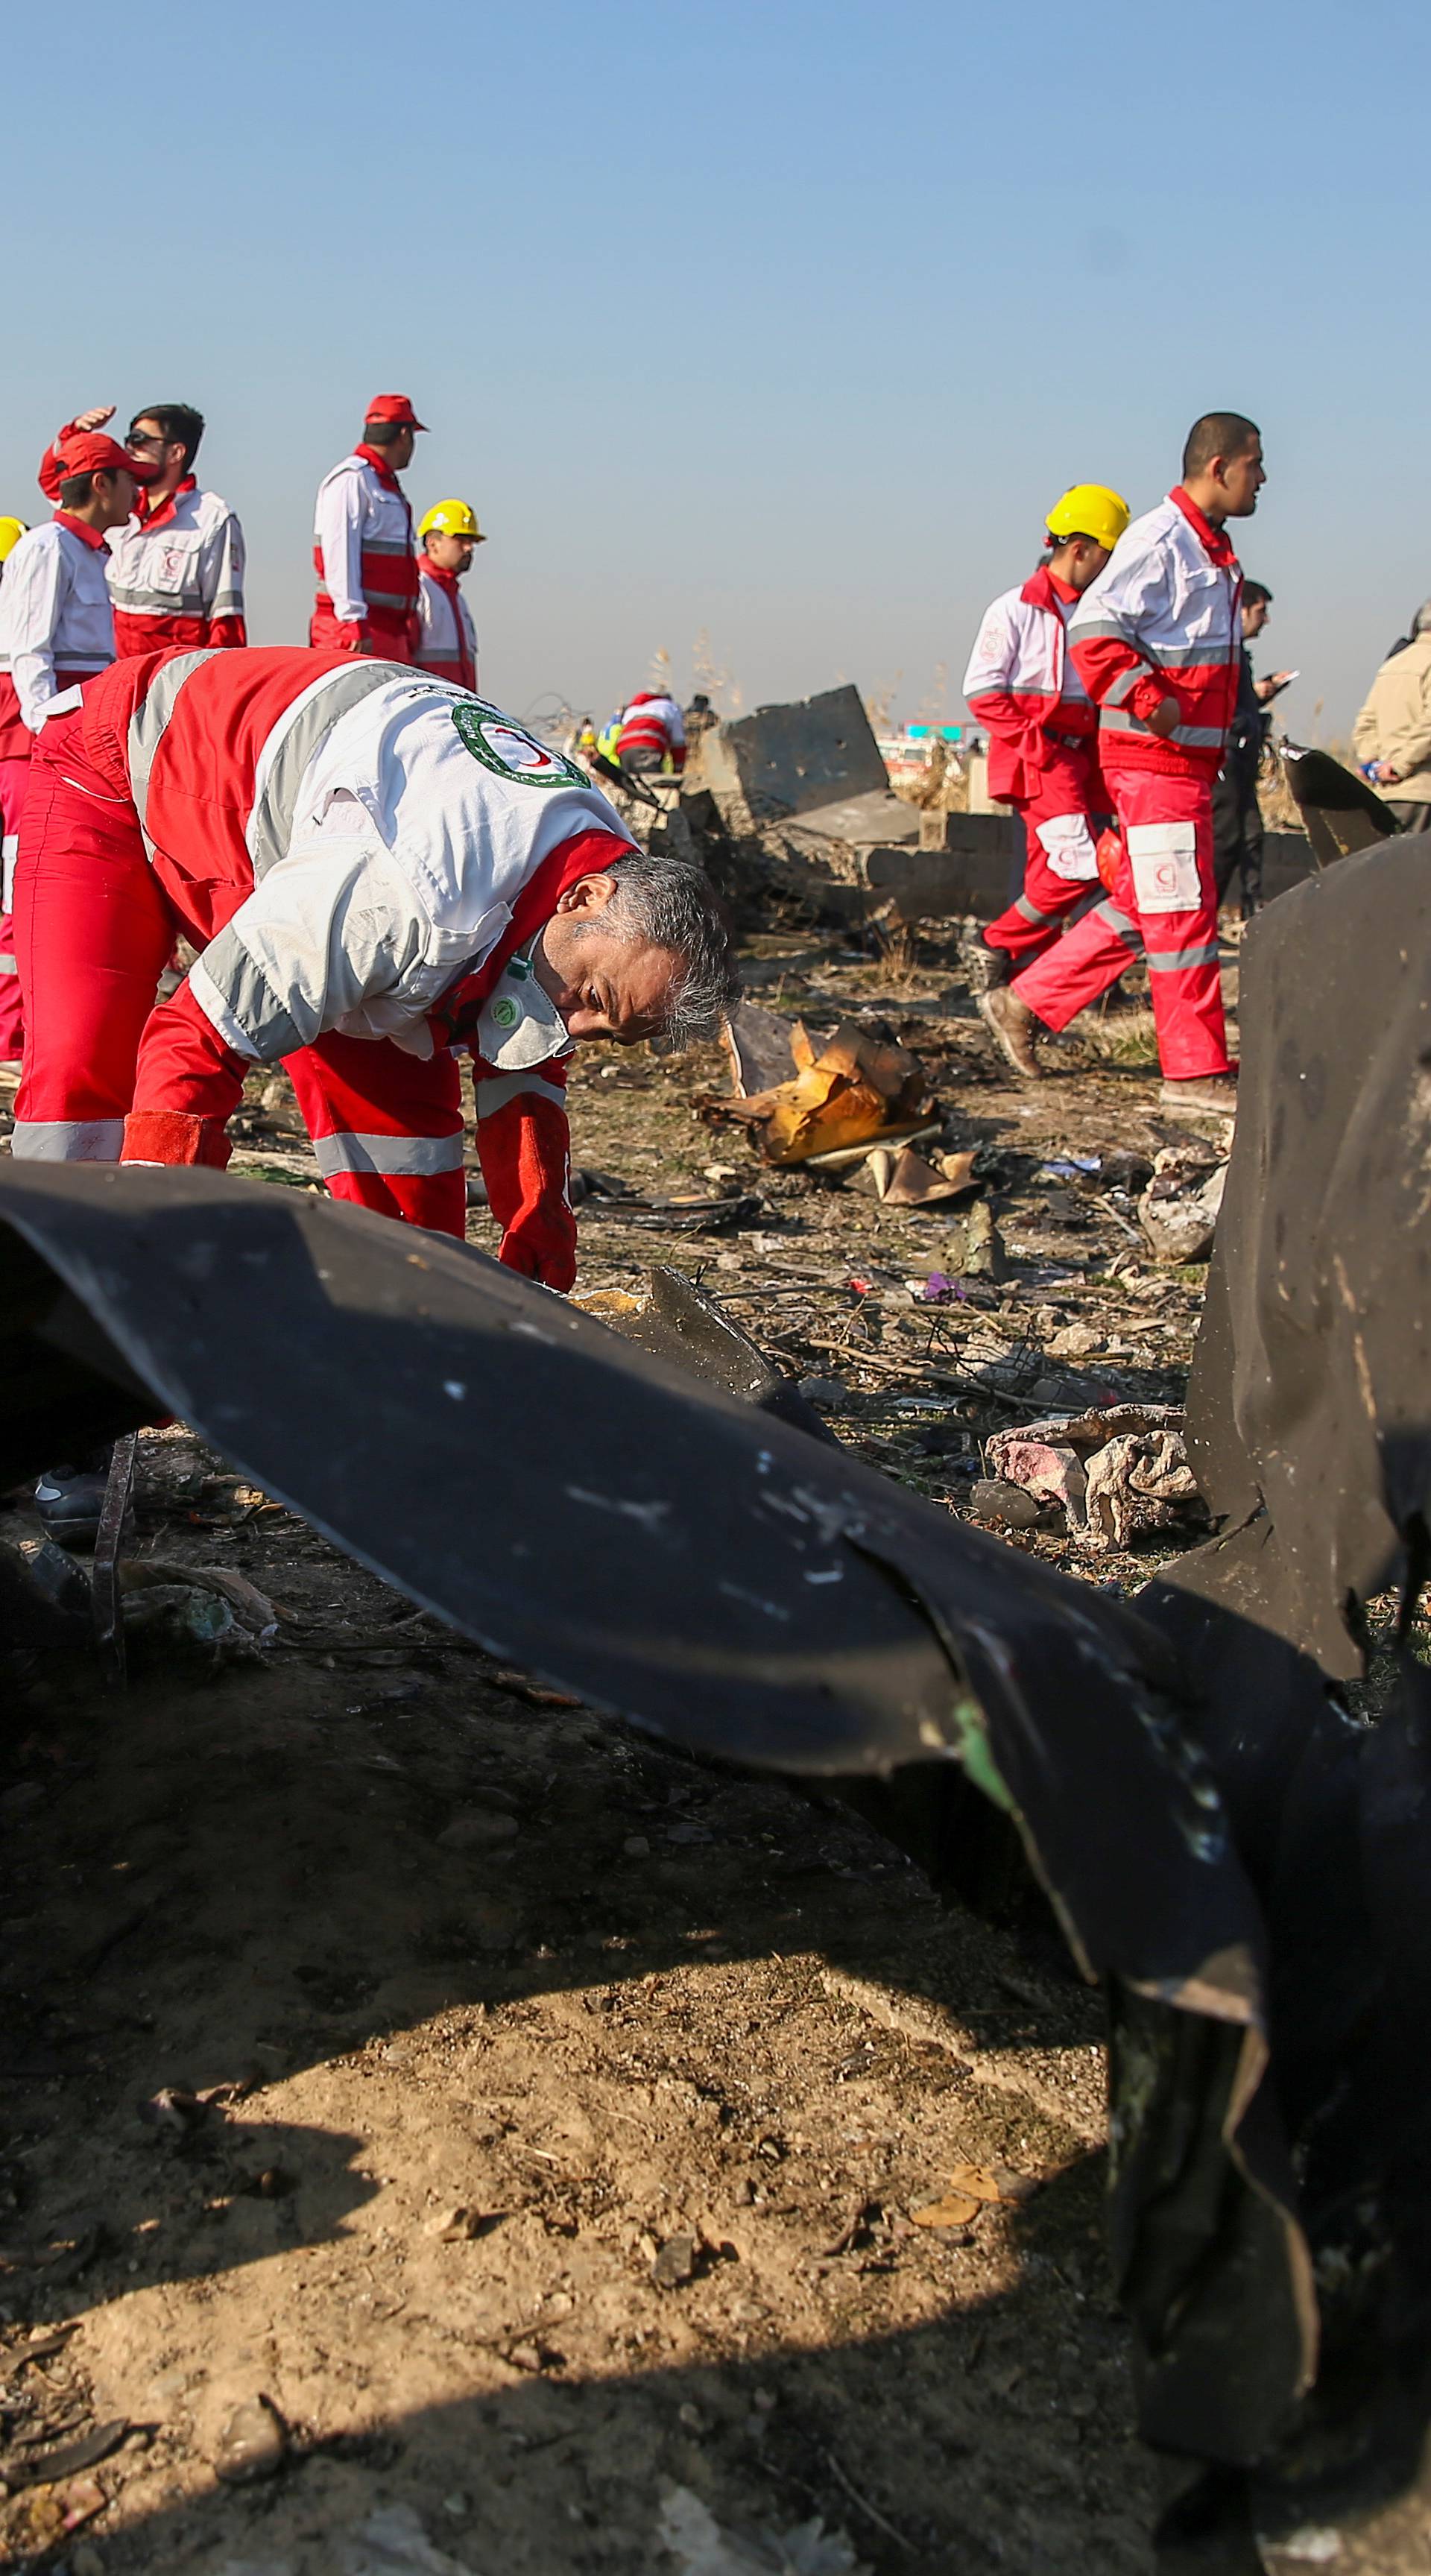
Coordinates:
x,y
14,777
95,924
1164,900
1058,818
392,636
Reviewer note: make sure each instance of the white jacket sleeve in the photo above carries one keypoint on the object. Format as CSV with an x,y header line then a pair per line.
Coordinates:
x,y
338,533
35,584
991,664
325,931
221,569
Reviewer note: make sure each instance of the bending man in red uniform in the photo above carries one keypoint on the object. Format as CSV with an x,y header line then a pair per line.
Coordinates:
x,y
1158,641
1023,686
379,870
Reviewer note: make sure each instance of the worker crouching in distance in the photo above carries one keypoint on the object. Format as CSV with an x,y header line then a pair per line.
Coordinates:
x,y
364,550
446,636
379,872
1157,640
1023,686
651,735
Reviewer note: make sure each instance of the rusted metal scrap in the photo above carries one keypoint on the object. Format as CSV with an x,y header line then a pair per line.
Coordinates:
x,y
861,1085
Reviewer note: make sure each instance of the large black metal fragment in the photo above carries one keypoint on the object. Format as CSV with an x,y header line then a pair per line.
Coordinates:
x,y
1310,1428
715,1575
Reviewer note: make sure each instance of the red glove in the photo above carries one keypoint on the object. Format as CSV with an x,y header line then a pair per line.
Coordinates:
x,y
524,1148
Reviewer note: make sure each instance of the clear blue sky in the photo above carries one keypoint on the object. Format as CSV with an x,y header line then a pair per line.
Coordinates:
x,y
778,320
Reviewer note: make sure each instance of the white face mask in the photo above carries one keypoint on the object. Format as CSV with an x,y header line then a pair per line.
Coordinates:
x,y
519,1025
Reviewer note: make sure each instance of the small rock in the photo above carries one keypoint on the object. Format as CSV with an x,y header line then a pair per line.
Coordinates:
x,y
1004,1506
459,2226
636,1847
477,1829
1076,1342
827,1392
675,2262
253,2444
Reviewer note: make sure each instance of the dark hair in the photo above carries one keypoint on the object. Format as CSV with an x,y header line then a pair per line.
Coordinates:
x,y
1252,591
75,490
177,421
384,433
1218,433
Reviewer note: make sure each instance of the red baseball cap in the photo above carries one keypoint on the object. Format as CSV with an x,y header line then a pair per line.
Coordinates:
x,y
394,407
88,451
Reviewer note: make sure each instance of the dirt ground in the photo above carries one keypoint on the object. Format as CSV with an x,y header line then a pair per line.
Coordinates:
x,y
592,2122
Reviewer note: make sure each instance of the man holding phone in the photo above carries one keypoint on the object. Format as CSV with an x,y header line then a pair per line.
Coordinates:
x,y
1236,814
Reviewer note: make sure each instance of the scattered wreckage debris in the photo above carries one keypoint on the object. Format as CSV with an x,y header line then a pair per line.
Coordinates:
x,y
1110,1473
49,1599
860,1087
1341,813
1179,1209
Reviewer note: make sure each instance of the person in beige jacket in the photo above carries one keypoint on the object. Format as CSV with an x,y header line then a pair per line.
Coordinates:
x,y
1392,735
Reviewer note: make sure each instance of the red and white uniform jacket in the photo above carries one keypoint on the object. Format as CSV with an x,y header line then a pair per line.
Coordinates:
x,y
176,573
653,723
56,624
365,556
1023,686
1163,620
400,844
446,636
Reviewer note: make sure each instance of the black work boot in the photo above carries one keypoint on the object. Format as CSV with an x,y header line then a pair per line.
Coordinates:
x,y
70,1499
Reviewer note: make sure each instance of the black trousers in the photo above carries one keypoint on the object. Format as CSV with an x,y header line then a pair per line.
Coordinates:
x,y
1237,837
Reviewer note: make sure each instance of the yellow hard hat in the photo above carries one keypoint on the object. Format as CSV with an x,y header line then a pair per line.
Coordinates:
x,y
451,519
11,531
1089,510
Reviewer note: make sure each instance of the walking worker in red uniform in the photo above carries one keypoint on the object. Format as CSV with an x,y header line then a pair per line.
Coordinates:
x,y
56,629
447,638
1158,642
379,870
13,774
364,550
176,570
1023,686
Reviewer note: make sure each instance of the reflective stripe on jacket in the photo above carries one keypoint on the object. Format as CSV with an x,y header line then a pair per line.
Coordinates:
x,y
1022,682
55,613
383,861
653,722
176,574
364,551
1163,619
446,637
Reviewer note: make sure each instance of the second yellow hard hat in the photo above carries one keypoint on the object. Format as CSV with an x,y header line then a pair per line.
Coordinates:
x,y
451,519
1089,510
11,531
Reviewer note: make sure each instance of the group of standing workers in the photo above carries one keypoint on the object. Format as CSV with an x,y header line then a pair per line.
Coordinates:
x,y
138,558
378,873
1119,703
